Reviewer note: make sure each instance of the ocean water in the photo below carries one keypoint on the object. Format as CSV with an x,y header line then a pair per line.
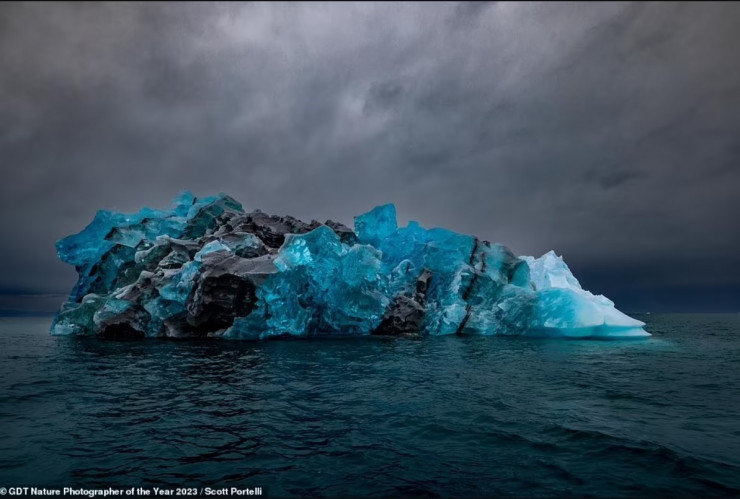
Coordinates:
x,y
447,416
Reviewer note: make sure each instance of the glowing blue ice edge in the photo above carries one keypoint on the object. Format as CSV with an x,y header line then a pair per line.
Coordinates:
x,y
476,288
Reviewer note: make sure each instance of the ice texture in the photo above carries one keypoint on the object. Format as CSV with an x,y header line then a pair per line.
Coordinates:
x,y
206,268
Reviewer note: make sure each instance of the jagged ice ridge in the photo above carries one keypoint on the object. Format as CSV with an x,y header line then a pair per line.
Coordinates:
x,y
205,268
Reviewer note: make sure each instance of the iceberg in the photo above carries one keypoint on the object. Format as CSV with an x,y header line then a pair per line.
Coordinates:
x,y
205,268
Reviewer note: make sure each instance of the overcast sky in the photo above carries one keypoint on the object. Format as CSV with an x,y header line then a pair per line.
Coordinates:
x,y
609,132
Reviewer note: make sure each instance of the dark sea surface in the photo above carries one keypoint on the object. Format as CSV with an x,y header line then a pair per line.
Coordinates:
x,y
440,416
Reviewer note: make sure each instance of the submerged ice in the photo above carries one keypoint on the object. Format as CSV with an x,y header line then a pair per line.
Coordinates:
x,y
205,268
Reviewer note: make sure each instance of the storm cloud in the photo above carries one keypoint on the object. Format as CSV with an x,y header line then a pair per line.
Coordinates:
x,y
609,132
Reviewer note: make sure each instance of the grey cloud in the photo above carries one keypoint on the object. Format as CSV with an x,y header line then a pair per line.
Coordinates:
x,y
607,132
